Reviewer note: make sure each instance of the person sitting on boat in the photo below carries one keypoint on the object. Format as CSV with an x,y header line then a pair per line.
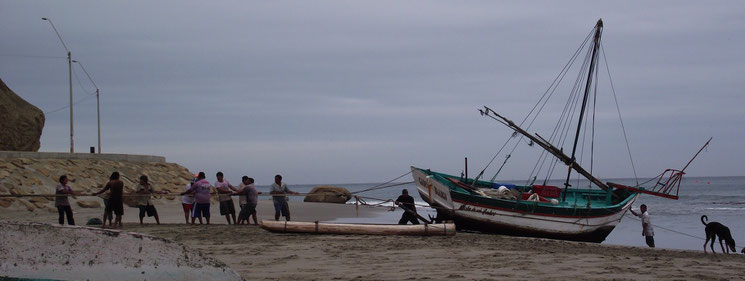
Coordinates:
x,y
279,191
406,202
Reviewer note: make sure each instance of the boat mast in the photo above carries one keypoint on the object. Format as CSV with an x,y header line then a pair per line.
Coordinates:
x,y
545,144
540,141
588,86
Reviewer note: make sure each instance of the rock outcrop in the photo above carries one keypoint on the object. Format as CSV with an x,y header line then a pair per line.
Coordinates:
x,y
21,124
39,176
328,194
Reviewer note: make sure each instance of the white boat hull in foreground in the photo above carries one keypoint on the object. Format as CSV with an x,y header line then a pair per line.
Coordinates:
x,y
44,251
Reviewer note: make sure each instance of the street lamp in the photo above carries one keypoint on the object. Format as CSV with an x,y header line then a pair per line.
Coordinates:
x,y
69,68
98,104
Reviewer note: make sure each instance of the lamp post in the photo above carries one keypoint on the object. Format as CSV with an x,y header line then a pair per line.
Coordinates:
x,y
69,68
98,104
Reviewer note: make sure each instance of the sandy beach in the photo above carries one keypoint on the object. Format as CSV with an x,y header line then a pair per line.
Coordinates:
x,y
258,254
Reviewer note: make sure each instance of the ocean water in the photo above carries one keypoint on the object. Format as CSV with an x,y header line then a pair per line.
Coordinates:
x,y
677,223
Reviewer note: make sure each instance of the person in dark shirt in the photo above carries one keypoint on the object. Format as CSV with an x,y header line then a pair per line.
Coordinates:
x,y
115,200
406,202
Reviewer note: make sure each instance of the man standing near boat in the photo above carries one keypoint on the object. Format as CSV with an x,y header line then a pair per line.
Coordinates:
x,y
406,202
647,229
279,191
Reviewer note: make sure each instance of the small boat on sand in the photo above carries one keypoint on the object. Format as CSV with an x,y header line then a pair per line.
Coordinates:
x,y
432,229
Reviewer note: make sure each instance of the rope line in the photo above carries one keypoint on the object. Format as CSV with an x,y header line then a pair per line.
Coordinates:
x,y
618,109
384,185
360,199
674,231
153,194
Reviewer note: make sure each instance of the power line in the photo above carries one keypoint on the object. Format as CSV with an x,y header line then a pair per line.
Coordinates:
x,y
81,83
90,94
32,56
67,106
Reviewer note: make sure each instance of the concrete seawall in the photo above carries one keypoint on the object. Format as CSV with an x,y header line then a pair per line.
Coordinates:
x,y
88,156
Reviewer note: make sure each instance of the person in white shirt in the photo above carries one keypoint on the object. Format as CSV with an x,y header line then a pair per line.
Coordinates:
x,y
63,205
224,191
187,201
279,193
647,228
145,191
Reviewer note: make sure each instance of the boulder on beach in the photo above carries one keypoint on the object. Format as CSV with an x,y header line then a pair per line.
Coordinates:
x,y
328,194
22,122
88,204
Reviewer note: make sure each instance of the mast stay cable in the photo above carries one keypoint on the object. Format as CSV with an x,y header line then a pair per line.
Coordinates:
x,y
542,102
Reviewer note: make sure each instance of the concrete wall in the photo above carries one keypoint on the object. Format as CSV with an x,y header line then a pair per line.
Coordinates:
x,y
90,156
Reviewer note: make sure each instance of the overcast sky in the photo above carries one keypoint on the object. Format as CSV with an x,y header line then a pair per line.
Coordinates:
x,y
353,91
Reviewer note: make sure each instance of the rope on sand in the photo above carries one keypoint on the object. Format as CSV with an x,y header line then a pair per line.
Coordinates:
x,y
675,231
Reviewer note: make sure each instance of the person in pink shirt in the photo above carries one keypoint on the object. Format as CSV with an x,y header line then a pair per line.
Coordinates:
x,y
224,191
201,190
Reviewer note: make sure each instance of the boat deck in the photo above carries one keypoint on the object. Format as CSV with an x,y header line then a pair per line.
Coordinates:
x,y
576,198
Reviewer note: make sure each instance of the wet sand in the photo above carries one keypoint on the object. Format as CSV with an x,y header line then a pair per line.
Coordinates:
x,y
258,254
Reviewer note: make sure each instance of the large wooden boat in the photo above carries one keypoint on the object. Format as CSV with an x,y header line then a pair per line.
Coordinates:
x,y
432,229
587,213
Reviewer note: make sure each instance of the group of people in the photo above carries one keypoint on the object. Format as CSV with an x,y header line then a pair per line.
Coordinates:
x,y
112,195
195,199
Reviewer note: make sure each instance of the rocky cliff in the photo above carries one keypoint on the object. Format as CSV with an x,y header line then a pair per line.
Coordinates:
x,y
21,123
39,176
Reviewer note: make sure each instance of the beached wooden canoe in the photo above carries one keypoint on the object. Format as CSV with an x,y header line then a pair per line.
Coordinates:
x,y
434,229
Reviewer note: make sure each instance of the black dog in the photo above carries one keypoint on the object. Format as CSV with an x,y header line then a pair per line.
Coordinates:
x,y
714,229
